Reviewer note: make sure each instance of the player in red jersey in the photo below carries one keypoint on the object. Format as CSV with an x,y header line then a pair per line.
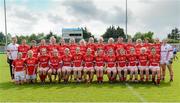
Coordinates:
x,y
138,45
18,68
52,45
99,65
147,45
43,64
34,48
132,64
110,45
23,48
100,44
122,64
88,66
119,44
77,65
72,46
129,45
143,64
91,45
157,45
31,67
82,45
42,46
55,66
154,66
67,65
62,47
110,60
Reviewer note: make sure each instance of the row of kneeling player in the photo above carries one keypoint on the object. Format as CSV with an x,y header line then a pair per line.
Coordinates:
x,y
83,67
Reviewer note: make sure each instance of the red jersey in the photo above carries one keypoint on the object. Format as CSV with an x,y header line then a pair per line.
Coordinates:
x,y
99,60
128,46
77,60
100,46
109,46
51,48
158,48
67,59
154,60
35,51
92,46
138,48
88,59
43,61
132,59
143,59
31,65
23,49
110,61
119,45
61,49
72,48
148,47
83,49
43,47
55,62
18,65
121,60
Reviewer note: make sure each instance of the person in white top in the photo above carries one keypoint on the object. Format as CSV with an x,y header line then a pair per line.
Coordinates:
x,y
12,51
166,59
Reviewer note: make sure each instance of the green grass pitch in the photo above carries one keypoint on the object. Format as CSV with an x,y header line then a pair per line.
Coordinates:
x,y
72,92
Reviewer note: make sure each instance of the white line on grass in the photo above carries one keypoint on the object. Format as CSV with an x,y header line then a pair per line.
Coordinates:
x,y
136,93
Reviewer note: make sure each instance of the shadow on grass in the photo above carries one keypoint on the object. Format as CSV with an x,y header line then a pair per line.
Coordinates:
x,y
73,85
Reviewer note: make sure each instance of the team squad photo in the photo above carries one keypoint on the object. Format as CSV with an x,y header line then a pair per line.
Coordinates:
x,y
89,61
90,51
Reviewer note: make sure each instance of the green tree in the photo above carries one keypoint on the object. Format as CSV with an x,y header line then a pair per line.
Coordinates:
x,y
142,36
175,34
113,32
86,33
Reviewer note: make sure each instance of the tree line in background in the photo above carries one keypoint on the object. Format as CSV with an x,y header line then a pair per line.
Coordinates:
x,y
111,31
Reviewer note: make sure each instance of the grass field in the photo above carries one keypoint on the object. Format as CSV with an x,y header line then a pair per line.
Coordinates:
x,y
118,92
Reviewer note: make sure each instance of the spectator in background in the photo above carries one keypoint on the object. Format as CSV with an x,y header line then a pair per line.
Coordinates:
x,y
12,50
175,53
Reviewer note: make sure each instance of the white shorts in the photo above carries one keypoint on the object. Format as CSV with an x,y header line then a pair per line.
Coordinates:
x,y
64,68
99,68
154,67
122,68
143,67
164,62
44,69
111,69
132,67
30,77
19,75
78,68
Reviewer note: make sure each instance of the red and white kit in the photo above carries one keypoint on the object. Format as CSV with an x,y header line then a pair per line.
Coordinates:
x,y
111,62
43,62
88,62
99,62
18,67
143,61
31,68
154,61
77,61
67,62
121,61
